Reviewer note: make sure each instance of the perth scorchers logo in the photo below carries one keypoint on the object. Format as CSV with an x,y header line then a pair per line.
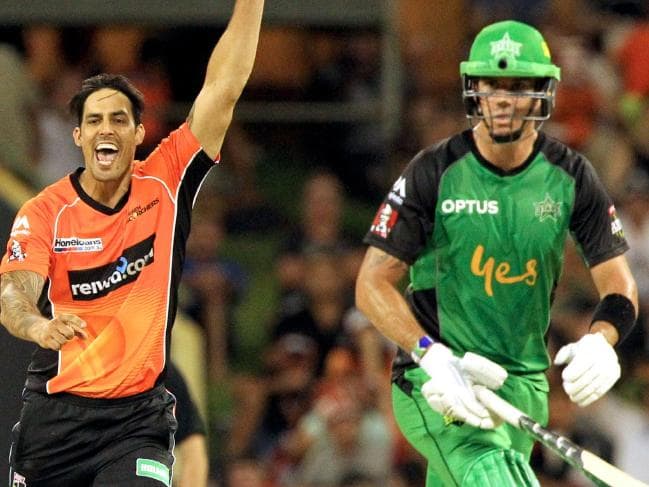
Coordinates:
x,y
140,210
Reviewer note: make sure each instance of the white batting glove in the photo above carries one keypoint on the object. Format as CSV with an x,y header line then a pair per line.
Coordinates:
x,y
592,369
480,370
449,390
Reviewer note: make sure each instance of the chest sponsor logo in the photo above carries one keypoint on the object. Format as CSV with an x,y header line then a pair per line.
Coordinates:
x,y
89,284
17,251
20,226
140,210
75,244
500,272
398,192
480,207
384,220
547,208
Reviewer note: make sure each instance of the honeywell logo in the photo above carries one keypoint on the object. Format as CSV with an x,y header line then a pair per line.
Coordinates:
x,y
480,207
94,283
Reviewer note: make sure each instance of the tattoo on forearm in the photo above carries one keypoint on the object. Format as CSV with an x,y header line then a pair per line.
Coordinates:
x,y
19,294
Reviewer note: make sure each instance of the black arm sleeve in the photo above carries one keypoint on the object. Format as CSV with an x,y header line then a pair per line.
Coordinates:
x,y
594,223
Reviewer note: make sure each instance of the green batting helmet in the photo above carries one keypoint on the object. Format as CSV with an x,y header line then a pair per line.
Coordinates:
x,y
510,49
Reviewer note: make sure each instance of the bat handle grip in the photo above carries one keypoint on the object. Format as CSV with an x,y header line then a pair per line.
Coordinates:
x,y
498,406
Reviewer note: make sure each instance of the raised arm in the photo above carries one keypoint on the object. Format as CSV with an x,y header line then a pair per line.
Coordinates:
x,y
227,73
19,294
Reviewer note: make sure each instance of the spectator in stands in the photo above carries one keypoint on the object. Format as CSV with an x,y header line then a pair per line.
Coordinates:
x,y
634,214
211,286
408,474
319,226
57,81
353,150
632,458
632,58
18,104
130,49
246,208
342,437
326,337
628,406
246,472
326,302
275,401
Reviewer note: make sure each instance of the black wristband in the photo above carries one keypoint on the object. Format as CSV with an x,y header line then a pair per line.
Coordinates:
x,y
619,311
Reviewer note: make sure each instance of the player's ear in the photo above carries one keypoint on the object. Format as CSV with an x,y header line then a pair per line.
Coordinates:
x,y
76,135
139,134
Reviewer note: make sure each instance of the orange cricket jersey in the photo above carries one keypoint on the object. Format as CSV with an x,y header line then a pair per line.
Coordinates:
x,y
117,269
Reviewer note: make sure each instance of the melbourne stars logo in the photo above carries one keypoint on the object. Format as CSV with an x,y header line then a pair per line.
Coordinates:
x,y
547,209
506,46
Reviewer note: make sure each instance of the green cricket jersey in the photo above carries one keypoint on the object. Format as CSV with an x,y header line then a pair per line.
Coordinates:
x,y
485,247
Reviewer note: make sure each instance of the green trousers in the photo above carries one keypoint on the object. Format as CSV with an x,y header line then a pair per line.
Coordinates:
x,y
460,454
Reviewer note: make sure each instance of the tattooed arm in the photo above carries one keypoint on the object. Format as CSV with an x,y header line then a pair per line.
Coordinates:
x,y
19,293
378,297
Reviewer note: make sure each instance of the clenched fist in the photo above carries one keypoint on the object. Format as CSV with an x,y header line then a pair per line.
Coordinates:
x,y
54,333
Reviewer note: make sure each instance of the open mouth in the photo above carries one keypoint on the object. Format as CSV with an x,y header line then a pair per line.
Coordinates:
x,y
106,153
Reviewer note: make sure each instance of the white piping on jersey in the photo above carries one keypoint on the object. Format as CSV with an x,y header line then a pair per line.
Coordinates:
x,y
173,437
164,185
200,185
49,288
173,239
58,217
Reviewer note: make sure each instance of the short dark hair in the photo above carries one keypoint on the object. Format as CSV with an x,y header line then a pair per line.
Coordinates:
x,y
115,81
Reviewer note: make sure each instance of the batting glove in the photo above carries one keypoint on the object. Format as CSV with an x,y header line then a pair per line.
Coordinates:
x,y
449,389
592,368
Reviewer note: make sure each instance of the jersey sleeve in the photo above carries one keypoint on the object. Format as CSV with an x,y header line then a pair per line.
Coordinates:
x,y
405,218
594,223
172,157
30,241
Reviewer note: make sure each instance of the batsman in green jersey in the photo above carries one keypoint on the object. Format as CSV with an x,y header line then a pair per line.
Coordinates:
x,y
479,221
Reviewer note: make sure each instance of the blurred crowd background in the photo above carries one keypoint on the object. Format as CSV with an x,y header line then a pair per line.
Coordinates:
x,y
291,380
